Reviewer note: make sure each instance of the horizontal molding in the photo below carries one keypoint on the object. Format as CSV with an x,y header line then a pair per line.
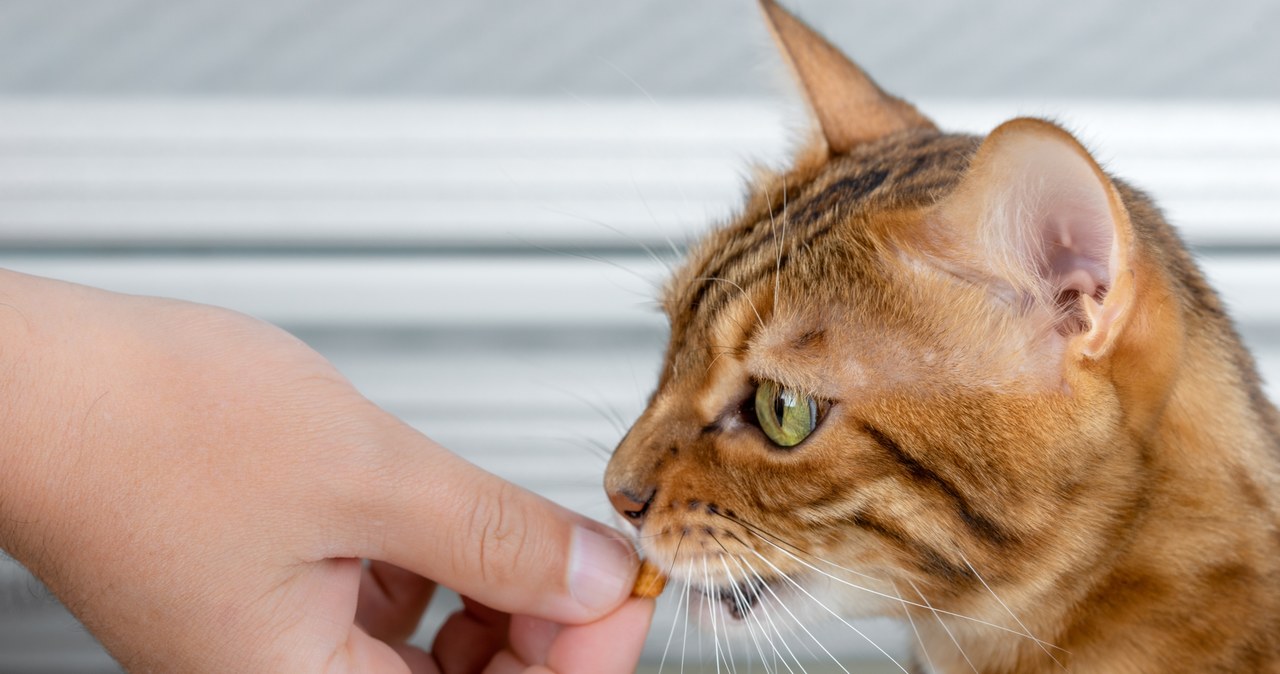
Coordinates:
x,y
371,291
218,173
424,291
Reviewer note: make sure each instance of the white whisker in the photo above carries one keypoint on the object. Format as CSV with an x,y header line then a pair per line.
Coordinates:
x,y
761,534
944,626
603,260
747,572
835,615
592,446
657,224
773,231
798,621
790,629
783,639
670,635
1011,613
775,656
777,264
746,618
716,359
712,607
632,80
728,638
702,628
688,589
924,651
607,412
882,594
741,290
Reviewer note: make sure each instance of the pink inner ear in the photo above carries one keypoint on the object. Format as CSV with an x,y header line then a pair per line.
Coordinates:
x,y
1043,222
1070,224
1076,234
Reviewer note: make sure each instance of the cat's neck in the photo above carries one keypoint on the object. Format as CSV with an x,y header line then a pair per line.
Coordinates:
x,y
1189,584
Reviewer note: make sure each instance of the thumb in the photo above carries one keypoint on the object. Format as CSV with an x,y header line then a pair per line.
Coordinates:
x,y
446,519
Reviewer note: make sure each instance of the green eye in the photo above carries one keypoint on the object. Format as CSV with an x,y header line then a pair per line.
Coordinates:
x,y
786,416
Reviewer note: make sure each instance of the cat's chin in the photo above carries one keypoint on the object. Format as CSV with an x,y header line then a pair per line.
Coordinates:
x,y
739,600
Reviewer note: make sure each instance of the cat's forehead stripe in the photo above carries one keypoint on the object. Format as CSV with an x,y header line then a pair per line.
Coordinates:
x,y
916,171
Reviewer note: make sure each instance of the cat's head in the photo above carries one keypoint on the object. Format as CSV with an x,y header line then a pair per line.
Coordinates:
x,y
910,365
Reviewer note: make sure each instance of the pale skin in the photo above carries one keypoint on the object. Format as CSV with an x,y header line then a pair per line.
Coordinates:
x,y
199,488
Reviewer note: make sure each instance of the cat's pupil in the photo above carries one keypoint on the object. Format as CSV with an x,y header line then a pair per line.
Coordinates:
x,y
780,405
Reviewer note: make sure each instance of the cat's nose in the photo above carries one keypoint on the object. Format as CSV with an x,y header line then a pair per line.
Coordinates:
x,y
632,504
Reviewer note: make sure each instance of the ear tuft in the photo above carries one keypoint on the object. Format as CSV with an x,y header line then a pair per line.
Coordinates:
x,y
850,107
1039,214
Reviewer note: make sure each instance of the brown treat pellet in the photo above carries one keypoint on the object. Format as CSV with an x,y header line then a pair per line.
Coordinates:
x,y
649,581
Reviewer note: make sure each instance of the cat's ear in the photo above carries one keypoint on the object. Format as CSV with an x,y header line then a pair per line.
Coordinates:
x,y
851,108
1041,215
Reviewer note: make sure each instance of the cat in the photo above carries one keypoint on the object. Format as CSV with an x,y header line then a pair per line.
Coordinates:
x,y
974,384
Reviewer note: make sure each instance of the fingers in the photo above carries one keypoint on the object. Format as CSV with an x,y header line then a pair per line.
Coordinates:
x,y
489,539
468,641
506,663
391,601
470,638
363,653
531,638
608,646
611,645
419,661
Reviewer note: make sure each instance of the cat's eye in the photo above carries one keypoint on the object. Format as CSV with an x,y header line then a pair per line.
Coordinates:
x,y
786,416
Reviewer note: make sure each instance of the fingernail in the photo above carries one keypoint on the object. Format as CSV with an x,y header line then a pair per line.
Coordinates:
x,y
600,570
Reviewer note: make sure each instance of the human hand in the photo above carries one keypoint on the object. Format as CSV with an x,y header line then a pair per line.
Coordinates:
x,y
478,638
199,488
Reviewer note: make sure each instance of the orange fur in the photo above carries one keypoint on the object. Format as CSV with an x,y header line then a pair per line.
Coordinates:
x,y
1103,461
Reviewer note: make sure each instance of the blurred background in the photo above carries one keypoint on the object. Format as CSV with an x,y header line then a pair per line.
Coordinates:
x,y
468,206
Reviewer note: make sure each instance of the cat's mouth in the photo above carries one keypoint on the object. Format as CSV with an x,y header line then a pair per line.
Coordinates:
x,y
738,599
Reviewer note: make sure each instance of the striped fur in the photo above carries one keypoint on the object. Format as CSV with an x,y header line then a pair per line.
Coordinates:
x,y
1125,507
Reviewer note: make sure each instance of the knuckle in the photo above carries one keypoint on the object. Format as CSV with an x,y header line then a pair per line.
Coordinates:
x,y
497,535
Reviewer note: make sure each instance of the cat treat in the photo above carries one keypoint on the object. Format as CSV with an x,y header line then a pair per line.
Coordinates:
x,y
649,581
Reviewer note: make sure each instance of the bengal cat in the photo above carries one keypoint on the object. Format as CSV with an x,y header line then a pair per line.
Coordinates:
x,y
976,384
